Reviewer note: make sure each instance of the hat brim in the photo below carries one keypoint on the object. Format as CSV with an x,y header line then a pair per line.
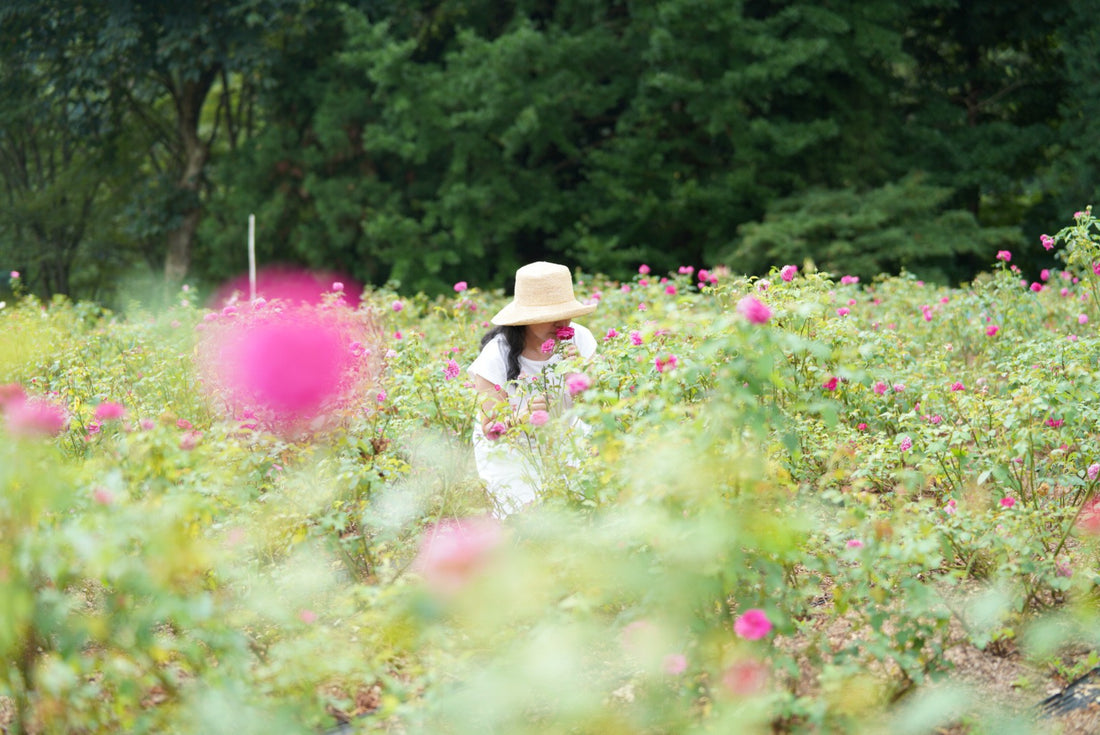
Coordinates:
x,y
514,315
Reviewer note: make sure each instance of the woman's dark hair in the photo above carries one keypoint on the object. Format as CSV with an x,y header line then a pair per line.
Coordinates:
x,y
515,338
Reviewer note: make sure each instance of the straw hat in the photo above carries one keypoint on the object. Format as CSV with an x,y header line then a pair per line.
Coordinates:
x,y
544,293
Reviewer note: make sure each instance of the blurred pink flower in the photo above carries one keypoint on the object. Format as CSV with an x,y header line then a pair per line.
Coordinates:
x,y
1008,501
664,364
1093,471
451,370
957,386
849,280
539,418
643,269
788,272
577,383
905,443
752,625
14,275
337,286
109,411
288,364
397,306
611,334
636,337
1036,287
11,393
843,311
1004,255
547,347
453,552
670,289
686,270
674,664
146,424
307,616
36,417
1089,520
754,310
949,508
861,426
1082,319
381,397
190,440
992,330
461,286
881,387
564,333
1054,423
495,431
745,678
102,495
1047,240
831,383
854,543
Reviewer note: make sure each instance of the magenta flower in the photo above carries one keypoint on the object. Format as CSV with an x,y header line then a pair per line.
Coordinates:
x,y
495,431
36,417
752,625
397,306
664,364
1082,319
843,311
881,387
1048,241
643,269
670,289
686,270
957,386
539,418
905,443
381,397
109,411
564,333
788,272
451,370
1036,287
190,440
1093,471
849,280
854,544
754,310
950,507
452,553
461,286
831,383
289,364
1054,423
611,334
861,426
577,383
635,337
337,286
547,347
1008,501
991,330
1004,256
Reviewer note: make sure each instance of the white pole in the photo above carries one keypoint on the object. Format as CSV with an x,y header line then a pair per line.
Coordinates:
x,y
252,257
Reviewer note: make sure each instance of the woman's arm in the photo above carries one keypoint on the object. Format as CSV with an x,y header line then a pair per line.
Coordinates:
x,y
495,408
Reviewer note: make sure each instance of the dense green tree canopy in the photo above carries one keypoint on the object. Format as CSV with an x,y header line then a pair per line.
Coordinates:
x,y
411,141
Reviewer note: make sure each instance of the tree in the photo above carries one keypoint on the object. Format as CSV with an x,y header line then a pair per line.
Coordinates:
x,y
164,60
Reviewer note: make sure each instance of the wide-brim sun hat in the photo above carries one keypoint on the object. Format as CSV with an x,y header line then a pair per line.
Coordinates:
x,y
544,293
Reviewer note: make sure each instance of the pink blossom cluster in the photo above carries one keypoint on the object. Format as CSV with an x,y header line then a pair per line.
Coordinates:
x,y
31,417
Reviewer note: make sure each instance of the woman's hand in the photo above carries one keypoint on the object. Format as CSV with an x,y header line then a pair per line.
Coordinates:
x,y
537,403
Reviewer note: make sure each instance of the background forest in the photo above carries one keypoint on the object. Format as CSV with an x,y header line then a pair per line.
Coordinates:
x,y
401,141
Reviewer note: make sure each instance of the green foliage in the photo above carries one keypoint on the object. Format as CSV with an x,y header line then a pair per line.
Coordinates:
x,y
903,226
877,469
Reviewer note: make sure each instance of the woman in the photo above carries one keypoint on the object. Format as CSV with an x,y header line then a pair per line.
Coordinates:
x,y
510,375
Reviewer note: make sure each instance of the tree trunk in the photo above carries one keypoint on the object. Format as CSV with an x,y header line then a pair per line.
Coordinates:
x,y
189,97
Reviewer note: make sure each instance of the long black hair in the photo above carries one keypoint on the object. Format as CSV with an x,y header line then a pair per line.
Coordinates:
x,y
515,337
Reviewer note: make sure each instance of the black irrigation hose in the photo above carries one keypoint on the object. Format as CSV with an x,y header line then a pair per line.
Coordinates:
x,y
1078,694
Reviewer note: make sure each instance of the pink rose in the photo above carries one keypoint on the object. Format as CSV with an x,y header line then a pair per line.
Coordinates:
x,y
461,286
577,383
754,310
752,625
109,411
454,552
788,272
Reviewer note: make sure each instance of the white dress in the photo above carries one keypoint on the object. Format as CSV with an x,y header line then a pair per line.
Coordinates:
x,y
511,473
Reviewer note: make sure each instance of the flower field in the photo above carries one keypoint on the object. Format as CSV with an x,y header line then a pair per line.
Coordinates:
x,y
807,504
